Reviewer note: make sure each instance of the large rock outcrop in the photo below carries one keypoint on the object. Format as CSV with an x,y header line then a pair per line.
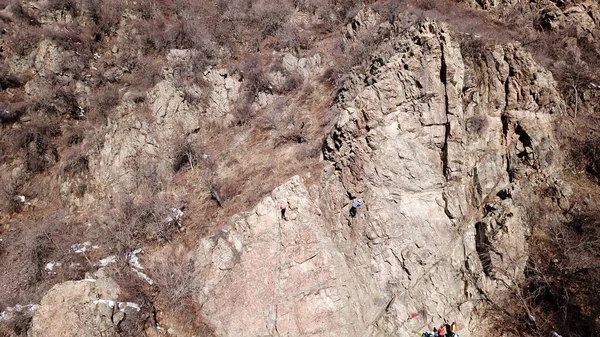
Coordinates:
x,y
82,308
444,151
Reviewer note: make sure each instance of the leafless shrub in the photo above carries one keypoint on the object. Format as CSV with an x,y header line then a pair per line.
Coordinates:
x,y
22,40
425,4
16,326
104,100
145,73
61,101
244,112
390,9
146,8
289,37
76,165
471,47
10,112
178,281
332,76
66,37
106,14
9,201
186,155
476,124
292,81
307,150
588,156
161,35
40,152
254,76
270,16
138,222
23,14
8,80
63,5
146,176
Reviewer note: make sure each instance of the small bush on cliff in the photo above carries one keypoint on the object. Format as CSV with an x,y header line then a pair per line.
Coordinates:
x,y
178,282
10,112
39,151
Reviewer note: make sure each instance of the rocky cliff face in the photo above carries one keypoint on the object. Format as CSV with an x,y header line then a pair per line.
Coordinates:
x,y
445,148
444,151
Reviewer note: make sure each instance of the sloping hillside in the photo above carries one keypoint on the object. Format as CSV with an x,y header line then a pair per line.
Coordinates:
x,y
147,147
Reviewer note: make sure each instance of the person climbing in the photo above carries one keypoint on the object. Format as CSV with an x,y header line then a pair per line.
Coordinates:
x,y
453,329
441,331
283,207
448,329
357,203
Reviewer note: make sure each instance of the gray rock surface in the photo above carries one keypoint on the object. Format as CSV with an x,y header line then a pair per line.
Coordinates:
x,y
444,153
80,308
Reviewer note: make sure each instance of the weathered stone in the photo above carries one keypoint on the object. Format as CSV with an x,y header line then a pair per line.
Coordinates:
x,y
77,308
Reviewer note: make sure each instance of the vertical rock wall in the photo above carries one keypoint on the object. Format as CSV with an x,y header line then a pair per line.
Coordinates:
x,y
444,151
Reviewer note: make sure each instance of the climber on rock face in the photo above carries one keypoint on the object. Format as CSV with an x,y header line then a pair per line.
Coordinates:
x,y
283,207
445,330
357,203
453,329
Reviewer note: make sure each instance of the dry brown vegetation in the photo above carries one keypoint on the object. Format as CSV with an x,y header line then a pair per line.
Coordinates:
x,y
43,134
52,131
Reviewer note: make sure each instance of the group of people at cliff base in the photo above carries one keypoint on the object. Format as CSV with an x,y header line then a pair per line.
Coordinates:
x,y
445,330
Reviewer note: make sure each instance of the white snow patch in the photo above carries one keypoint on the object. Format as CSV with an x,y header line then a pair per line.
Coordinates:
x,y
123,305
176,217
50,267
10,312
107,260
109,303
81,247
144,277
24,201
134,262
120,305
86,280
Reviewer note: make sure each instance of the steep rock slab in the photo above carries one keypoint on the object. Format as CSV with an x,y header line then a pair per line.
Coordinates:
x,y
265,276
444,152
433,144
